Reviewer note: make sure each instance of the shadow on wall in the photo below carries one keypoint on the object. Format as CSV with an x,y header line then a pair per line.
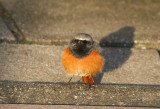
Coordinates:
x,y
116,57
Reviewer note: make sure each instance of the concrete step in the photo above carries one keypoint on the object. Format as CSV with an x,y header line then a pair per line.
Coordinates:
x,y
125,22
43,63
78,94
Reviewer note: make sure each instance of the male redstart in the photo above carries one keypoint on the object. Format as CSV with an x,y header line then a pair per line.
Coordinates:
x,y
80,58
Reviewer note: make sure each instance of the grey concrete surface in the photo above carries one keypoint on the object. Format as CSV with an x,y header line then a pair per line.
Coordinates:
x,y
5,34
43,63
77,94
24,106
111,23
107,21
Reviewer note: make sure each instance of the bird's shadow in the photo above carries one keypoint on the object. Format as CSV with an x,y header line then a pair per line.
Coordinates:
x,y
116,49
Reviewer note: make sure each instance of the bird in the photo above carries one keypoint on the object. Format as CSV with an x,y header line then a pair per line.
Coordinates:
x,y
81,58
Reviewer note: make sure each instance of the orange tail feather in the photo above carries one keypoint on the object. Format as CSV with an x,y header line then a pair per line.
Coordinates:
x,y
88,79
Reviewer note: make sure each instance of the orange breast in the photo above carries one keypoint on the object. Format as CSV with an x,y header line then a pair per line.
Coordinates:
x,y
89,65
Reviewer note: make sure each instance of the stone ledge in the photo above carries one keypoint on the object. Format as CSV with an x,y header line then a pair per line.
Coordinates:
x,y
80,94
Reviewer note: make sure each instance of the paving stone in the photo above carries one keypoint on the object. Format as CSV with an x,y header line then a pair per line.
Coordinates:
x,y
5,34
43,63
124,21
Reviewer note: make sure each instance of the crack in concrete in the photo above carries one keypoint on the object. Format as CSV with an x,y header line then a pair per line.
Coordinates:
x,y
12,26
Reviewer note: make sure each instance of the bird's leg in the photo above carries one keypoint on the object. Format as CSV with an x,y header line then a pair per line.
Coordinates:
x,y
69,80
91,81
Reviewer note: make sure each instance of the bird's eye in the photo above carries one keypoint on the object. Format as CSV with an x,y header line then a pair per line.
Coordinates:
x,y
89,43
76,41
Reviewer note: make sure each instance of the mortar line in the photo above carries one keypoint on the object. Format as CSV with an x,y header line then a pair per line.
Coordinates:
x,y
83,105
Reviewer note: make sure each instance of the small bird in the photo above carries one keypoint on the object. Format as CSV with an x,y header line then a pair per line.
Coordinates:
x,y
80,58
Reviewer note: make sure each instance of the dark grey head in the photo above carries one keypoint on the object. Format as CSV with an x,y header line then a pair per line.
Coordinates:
x,y
82,45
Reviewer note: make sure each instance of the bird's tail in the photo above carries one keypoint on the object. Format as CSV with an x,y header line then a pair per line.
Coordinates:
x,y
88,79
